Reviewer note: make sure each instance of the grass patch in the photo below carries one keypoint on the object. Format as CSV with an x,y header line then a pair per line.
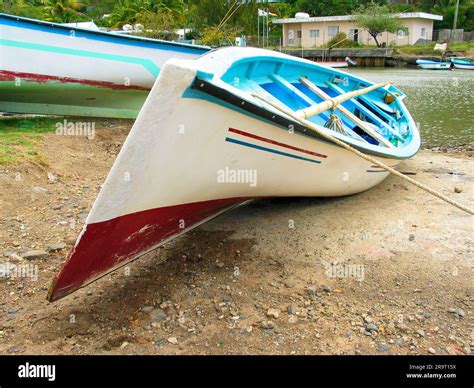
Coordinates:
x,y
19,138
427,49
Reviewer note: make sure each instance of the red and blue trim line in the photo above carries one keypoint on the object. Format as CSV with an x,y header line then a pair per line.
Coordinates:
x,y
377,169
270,141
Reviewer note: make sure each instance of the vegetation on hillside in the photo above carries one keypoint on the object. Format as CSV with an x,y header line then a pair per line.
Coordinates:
x,y
204,17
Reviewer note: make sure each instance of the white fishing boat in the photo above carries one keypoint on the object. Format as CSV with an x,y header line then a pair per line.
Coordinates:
x,y
48,68
463,63
431,64
234,125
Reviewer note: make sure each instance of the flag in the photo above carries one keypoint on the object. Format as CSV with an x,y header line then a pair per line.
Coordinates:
x,y
267,13
272,13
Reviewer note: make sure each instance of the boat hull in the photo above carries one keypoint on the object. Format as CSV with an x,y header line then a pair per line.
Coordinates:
x,y
52,69
464,66
432,65
178,169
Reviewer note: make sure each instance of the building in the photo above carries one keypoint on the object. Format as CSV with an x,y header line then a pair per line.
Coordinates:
x,y
305,31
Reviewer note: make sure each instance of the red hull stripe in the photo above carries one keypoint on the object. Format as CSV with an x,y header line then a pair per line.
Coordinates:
x,y
251,135
378,169
107,245
42,78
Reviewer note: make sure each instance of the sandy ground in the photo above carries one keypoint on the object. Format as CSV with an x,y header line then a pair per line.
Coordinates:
x,y
389,271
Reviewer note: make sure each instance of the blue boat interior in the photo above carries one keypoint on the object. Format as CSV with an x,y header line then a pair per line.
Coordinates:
x,y
280,80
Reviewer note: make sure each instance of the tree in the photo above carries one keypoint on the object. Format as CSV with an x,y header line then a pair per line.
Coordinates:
x,y
377,19
63,11
326,7
159,25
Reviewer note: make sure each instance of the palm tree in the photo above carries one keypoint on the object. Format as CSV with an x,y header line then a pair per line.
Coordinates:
x,y
127,12
63,11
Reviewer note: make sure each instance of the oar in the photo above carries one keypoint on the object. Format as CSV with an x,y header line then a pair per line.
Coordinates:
x,y
381,122
362,124
321,132
331,103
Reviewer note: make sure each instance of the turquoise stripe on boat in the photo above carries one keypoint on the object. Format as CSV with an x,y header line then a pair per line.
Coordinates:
x,y
146,63
243,143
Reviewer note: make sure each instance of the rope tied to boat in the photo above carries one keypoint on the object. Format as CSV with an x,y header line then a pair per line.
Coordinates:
x,y
334,123
308,124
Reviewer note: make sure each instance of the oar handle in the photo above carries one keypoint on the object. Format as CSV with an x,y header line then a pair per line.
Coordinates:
x,y
331,103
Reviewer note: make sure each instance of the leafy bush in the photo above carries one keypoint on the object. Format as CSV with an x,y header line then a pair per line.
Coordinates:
x,y
341,40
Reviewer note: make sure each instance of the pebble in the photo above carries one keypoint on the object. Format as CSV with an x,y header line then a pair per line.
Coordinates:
x,y
273,313
432,350
289,284
71,240
13,256
173,340
157,315
15,243
411,237
420,332
291,309
399,341
147,309
39,190
220,265
371,327
311,291
35,254
327,289
269,325
293,319
383,348
56,247
458,190
457,311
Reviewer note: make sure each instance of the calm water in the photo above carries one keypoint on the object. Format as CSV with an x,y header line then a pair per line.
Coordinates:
x,y
441,102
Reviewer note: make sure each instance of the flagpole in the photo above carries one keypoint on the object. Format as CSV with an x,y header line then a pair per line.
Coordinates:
x,y
258,28
268,27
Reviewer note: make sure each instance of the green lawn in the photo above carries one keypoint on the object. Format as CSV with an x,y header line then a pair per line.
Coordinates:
x,y
427,49
19,137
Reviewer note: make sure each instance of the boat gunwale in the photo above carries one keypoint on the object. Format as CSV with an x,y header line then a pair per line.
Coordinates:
x,y
159,42
205,86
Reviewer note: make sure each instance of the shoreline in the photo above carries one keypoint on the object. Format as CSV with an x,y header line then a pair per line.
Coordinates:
x,y
245,283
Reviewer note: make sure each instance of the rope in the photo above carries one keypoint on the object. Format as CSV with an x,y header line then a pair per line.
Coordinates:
x,y
369,158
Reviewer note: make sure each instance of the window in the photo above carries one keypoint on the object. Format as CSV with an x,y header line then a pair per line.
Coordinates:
x,y
298,34
314,33
291,37
333,31
354,34
423,32
401,33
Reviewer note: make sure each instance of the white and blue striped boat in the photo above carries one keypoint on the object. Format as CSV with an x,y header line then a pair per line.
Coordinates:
x,y
206,141
432,64
463,63
49,68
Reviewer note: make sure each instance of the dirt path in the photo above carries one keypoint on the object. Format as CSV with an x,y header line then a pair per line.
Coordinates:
x,y
389,271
